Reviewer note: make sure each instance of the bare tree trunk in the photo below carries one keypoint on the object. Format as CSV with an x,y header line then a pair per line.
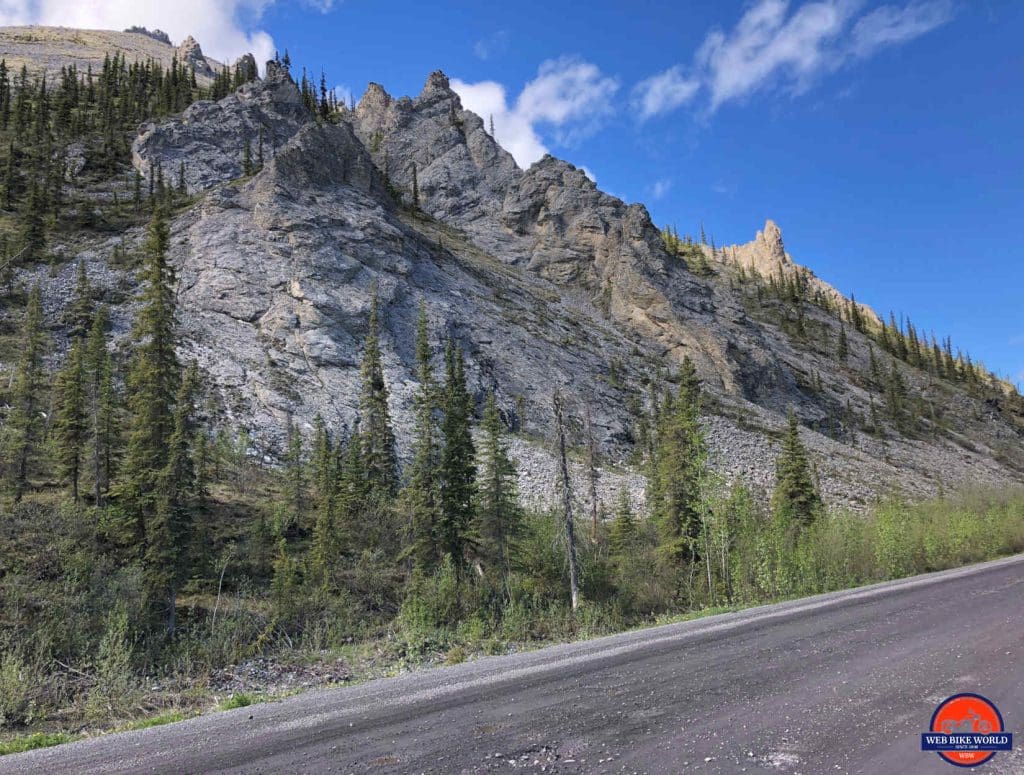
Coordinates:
x,y
592,476
574,573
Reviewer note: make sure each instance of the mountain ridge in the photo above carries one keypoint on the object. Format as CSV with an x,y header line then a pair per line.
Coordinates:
x,y
545,281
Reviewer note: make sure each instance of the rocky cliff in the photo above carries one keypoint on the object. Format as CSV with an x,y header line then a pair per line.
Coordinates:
x,y
545,281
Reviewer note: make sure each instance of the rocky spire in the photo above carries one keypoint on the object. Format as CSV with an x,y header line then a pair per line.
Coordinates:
x,y
246,64
770,240
190,54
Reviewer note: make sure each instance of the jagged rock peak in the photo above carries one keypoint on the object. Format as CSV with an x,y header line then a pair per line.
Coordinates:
x,y
247,65
437,81
771,240
374,101
191,53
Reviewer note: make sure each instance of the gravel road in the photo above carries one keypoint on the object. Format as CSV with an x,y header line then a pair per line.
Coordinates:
x,y
838,683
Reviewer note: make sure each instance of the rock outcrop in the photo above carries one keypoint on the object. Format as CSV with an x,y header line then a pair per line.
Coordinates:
x,y
766,255
546,282
210,137
245,66
190,54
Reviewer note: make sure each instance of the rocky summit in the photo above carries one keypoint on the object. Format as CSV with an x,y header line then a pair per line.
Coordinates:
x,y
547,283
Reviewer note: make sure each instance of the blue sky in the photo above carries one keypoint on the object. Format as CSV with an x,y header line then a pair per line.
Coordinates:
x,y
884,138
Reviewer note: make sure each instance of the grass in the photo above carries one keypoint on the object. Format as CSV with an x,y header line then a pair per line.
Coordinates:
x,y
36,740
240,700
153,721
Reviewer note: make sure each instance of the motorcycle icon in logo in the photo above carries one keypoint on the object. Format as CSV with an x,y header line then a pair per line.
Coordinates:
x,y
972,724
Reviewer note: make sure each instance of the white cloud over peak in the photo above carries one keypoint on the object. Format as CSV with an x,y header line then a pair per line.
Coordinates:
x,y
660,188
776,45
664,92
225,29
570,98
889,25
492,46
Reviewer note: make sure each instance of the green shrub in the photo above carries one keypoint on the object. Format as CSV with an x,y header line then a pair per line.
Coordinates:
x,y
17,690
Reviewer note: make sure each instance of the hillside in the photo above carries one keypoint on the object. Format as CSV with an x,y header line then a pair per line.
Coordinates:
x,y
51,48
545,281
279,380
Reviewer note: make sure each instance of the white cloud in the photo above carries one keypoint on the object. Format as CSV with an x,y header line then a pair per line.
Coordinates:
x,y
492,46
586,171
766,44
512,130
570,97
890,25
774,45
664,92
225,29
660,188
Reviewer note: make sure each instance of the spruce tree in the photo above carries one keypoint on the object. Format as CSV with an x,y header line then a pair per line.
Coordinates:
x,y
795,498
169,532
623,534
23,428
71,425
295,475
458,461
677,470
421,496
843,348
499,520
153,379
377,439
79,314
102,408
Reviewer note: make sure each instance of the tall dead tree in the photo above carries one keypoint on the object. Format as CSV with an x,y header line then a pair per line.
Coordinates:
x,y
570,533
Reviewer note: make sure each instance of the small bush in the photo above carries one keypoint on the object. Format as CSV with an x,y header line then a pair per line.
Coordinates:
x,y
240,700
17,698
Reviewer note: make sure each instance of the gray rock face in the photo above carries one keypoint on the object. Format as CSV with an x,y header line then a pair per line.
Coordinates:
x,y
210,137
545,281
246,65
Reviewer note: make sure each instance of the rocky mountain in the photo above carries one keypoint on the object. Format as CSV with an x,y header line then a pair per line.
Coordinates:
x,y
50,48
547,283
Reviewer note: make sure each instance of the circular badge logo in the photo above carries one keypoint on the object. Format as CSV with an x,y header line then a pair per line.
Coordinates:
x,y
969,730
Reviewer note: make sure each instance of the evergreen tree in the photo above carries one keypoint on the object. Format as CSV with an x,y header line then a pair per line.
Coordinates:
x,y
458,461
795,497
415,187
623,534
169,531
79,316
843,348
153,381
33,227
677,469
102,403
422,493
896,396
324,550
71,426
295,475
247,158
23,428
499,520
377,439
